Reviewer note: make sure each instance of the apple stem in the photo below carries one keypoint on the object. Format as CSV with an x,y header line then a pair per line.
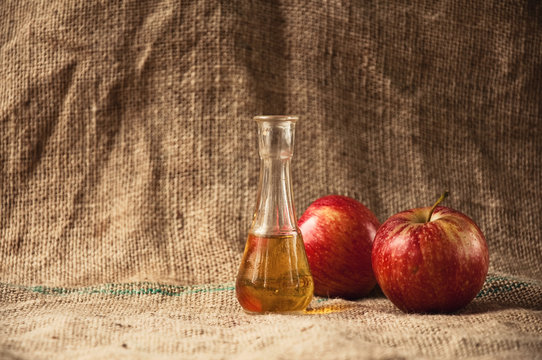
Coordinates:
x,y
442,197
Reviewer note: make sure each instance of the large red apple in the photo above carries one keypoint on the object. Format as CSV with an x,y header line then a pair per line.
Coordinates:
x,y
338,233
430,259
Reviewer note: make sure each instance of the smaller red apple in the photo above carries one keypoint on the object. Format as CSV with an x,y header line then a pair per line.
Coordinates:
x,y
430,259
338,233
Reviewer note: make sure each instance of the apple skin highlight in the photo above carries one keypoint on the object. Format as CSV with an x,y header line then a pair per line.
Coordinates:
x,y
430,267
338,233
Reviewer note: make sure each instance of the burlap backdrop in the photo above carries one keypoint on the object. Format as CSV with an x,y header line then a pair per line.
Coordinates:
x,y
129,167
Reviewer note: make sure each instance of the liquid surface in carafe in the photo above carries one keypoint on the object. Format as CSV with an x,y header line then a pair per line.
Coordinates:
x,y
274,275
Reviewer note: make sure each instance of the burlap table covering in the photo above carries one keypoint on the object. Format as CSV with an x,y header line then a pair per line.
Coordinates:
x,y
129,168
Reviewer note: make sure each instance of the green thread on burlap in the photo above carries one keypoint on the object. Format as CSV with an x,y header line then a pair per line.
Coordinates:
x,y
494,285
130,289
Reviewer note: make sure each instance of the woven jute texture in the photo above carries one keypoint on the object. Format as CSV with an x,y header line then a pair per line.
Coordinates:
x,y
129,168
149,320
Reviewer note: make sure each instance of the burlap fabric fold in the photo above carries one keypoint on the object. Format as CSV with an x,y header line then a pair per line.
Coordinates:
x,y
129,168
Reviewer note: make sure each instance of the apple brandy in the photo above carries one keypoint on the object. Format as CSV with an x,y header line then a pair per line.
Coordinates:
x,y
274,275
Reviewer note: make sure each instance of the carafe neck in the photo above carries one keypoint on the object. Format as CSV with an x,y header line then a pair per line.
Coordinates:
x,y
275,212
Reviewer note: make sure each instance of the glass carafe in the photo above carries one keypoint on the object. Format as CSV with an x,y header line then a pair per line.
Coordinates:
x,y
274,275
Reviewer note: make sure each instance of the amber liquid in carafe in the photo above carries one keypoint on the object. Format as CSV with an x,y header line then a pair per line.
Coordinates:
x,y
274,275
